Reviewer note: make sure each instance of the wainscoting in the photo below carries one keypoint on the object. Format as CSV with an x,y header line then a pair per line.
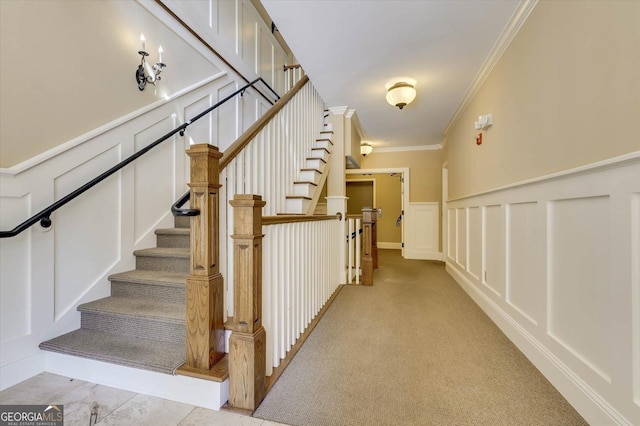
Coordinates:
x,y
46,273
555,262
423,231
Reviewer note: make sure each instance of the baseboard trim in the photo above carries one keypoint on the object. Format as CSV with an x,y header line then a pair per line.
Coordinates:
x,y
21,370
188,390
422,255
392,246
580,395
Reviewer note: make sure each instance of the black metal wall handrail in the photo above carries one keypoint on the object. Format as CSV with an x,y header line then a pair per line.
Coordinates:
x,y
44,215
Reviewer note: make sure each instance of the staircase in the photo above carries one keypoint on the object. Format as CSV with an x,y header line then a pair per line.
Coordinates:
x,y
306,190
142,323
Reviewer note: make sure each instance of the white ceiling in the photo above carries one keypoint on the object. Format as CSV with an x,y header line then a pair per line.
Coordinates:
x,y
350,49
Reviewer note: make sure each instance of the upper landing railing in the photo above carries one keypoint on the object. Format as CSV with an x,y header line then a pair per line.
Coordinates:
x,y
44,216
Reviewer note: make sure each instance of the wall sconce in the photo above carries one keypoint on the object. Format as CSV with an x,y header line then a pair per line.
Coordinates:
x,y
142,78
365,149
401,94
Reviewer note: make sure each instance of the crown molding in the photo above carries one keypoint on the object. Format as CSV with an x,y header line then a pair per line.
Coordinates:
x,y
513,26
339,110
434,147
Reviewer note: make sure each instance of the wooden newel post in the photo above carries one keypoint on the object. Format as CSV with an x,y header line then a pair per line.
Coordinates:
x,y
247,344
205,326
369,248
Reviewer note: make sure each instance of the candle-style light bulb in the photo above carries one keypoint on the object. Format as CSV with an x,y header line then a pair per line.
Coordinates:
x,y
160,54
142,40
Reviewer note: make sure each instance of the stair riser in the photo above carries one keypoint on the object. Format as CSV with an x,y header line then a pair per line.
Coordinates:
x,y
314,164
166,264
310,176
182,221
320,153
173,241
149,291
297,206
323,144
304,189
135,327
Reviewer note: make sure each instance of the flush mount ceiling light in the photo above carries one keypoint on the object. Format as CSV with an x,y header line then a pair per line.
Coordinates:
x,y
365,149
401,94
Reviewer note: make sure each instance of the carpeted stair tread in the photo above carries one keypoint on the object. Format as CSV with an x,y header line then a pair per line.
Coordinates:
x,y
182,253
173,231
136,307
133,352
160,278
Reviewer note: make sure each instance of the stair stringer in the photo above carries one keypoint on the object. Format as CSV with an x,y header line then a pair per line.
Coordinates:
x,y
318,191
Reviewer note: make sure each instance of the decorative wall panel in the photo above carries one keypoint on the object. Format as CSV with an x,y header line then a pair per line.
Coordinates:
x,y
452,235
579,261
461,249
635,291
154,190
493,249
524,269
15,273
86,230
474,245
422,233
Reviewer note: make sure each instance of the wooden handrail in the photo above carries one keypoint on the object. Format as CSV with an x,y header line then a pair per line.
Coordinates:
x,y
289,67
277,220
256,127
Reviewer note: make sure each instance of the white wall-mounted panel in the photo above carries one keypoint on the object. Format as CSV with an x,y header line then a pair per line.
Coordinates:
x,y
452,234
474,244
15,270
202,130
226,118
267,58
461,250
579,261
86,230
524,268
154,191
248,35
422,235
249,105
227,24
635,292
201,12
493,249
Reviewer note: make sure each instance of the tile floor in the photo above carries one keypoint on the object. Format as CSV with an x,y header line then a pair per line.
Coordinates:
x,y
117,407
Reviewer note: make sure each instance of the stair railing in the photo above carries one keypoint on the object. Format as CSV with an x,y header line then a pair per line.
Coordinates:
x,y
44,216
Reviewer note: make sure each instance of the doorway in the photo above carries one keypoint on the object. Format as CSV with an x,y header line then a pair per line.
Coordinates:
x,y
384,190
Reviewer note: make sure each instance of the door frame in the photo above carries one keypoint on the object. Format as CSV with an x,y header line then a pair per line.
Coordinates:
x,y
404,190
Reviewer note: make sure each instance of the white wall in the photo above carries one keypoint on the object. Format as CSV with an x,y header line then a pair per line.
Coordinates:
x,y
45,274
555,262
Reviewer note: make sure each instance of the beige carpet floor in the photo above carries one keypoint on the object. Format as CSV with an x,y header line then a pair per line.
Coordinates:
x,y
413,349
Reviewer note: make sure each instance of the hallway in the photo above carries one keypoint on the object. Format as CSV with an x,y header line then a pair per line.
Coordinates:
x,y
411,350
414,350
